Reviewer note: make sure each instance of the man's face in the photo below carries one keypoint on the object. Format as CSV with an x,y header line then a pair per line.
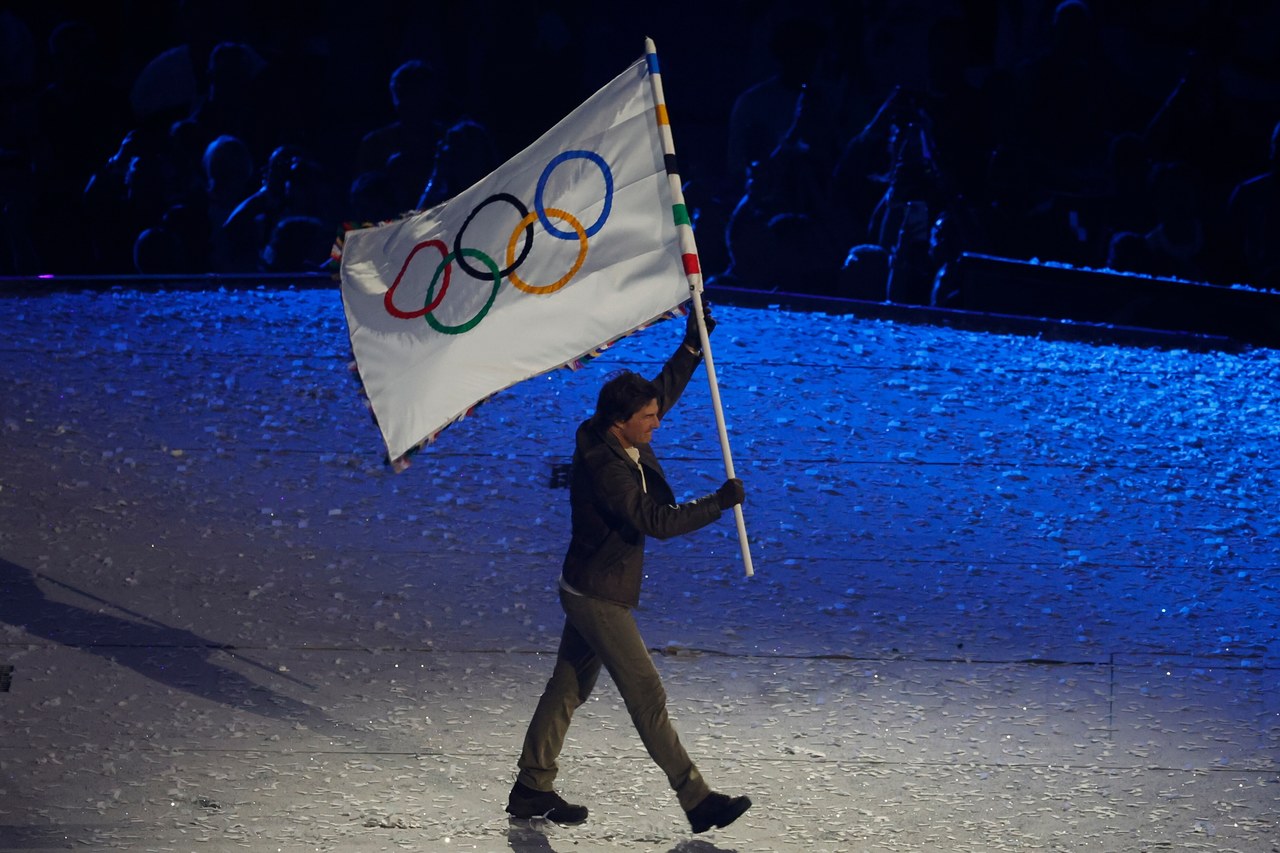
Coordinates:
x,y
638,429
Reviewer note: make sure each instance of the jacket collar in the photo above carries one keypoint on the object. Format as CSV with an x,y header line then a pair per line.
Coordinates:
x,y
589,436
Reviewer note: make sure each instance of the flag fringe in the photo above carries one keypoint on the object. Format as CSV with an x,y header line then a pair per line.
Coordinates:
x,y
334,263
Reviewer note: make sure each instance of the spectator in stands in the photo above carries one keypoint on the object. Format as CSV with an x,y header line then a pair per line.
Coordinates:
x,y
763,113
298,244
1180,241
1177,242
464,155
371,198
249,225
79,118
783,234
123,197
237,100
228,168
157,251
1069,102
405,148
1128,252
865,166
903,220
1253,224
865,274
1125,206
1188,128
956,230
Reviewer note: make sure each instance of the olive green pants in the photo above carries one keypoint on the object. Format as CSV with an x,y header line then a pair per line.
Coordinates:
x,y
600,633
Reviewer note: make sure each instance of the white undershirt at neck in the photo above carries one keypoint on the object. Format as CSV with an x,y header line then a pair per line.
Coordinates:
x,y
634,453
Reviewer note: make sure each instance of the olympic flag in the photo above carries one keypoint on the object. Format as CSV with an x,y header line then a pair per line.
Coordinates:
x,y
566,247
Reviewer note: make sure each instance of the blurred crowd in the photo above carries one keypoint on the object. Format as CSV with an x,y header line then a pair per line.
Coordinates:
x,y
876,142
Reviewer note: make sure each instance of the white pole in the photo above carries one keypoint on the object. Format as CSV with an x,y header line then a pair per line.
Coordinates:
x,y
693,272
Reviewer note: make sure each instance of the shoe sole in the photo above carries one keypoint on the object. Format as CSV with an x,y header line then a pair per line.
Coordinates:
x,y
547,817
543,819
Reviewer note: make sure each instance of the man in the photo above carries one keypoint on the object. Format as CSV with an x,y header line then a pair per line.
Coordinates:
x,y
618,495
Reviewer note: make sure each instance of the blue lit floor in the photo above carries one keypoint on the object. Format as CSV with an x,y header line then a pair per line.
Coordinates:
x,y
1011,594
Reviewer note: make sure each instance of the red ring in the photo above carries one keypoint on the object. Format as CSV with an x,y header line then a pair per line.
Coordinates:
x,y
387,299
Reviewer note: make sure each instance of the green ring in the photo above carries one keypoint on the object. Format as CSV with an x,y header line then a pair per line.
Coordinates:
x,y
474,321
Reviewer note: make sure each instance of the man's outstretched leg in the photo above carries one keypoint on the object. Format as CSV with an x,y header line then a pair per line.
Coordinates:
x,y
571,682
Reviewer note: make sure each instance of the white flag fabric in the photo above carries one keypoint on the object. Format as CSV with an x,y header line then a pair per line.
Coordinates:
x,y
566,247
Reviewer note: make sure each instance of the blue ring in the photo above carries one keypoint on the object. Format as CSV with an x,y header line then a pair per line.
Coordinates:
x,y
542,185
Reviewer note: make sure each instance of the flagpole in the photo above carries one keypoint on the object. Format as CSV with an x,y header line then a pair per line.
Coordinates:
x,y
693,272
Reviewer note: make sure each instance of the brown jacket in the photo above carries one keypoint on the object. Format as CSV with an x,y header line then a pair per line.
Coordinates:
x,y
612,514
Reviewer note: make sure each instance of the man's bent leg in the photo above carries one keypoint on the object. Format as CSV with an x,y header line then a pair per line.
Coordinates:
x,y
612,631
571,682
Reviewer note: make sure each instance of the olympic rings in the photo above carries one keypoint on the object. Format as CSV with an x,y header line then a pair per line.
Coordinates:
x,y
474,321
514,260
577,264
542,187
388,298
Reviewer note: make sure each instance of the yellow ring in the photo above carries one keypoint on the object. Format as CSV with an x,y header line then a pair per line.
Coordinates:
x,y
577,265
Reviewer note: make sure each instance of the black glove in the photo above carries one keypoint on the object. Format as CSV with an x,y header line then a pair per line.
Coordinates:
x,y
691,337
730,494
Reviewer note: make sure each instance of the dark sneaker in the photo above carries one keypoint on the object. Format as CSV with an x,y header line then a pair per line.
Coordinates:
x,y
717,810
525,802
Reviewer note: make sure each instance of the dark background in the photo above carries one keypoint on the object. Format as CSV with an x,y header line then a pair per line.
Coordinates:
x,y
1038,142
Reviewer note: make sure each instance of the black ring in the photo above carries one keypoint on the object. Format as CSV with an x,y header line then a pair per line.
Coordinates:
x,y
487,275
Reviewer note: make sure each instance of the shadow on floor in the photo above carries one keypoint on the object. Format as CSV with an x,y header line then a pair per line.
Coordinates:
x,y
174,657
530,836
